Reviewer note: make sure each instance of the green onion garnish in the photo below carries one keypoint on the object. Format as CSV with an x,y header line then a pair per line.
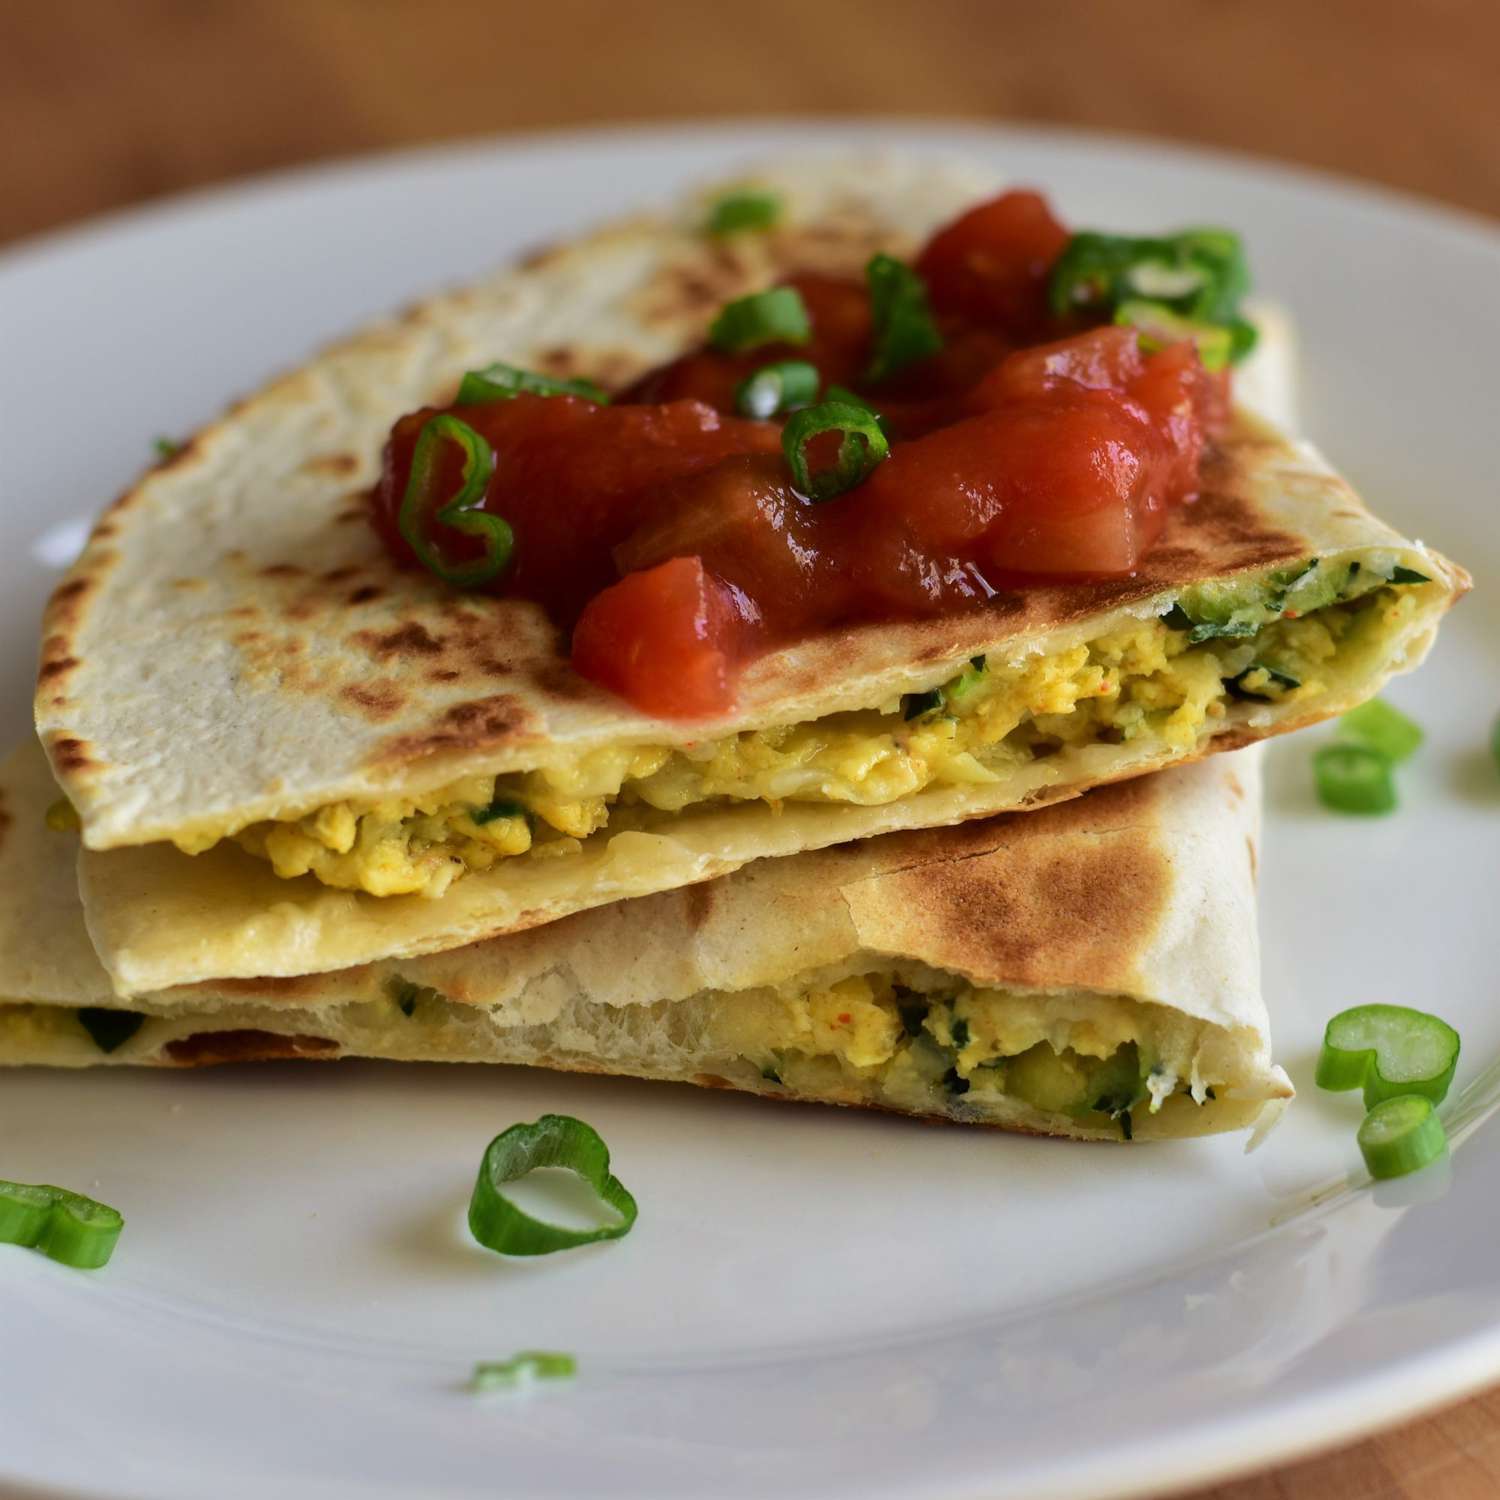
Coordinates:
x,y
861,448
166,448
1400,574
1354,779
501,807
1388,1050
736,212
783,386
521,1369
1495,742
1239,688
109,1028
1401,1135
1379,727
421,508
501,382
552,1141
64,1226
1159,326
777,316
1198,277
903,329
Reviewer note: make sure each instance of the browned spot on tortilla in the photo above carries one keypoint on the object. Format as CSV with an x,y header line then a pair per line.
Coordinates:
x,y
1066,899
411,639
365,594
1254,857
189,583
70,754
443,674
483,724
331,463
1232,785
282,570
179,455
379,700
244,611
4,818
55,668
698,901
106,529
206,1048
354,513
340,575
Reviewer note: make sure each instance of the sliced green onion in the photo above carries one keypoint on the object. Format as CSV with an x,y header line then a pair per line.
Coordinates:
x,y
1198,276
845,397
1388,1050
1238,687
501,807
902,326
420,509
861,448
66,1227
736,212
109,1028
552,1141
501,382
521,1369
1159,326
1401,1135
1400,574
1495,742
777,316
1377,726
1354,779
779,387
166,448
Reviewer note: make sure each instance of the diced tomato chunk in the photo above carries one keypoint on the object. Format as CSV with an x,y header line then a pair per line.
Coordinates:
x,y
664,639
991,264
1106,359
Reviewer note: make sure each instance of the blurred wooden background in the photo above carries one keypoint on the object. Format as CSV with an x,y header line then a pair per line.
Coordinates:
x,y
105,103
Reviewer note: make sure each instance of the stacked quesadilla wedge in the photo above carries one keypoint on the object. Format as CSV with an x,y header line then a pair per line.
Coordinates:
x,y
1089,970
290,754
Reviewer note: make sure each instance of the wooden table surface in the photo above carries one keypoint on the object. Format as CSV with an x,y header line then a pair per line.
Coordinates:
x,y
110,102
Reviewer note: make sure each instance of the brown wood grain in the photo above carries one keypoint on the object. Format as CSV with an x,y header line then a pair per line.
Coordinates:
x,y
105,103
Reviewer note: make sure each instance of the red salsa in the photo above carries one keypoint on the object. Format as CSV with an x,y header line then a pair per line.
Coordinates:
x,y
990,439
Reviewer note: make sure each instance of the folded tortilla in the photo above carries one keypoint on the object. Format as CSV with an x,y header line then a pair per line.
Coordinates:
x,y
236,664
1089,971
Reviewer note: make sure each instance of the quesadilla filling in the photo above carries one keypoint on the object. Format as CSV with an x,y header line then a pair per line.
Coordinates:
x,y
1018,406
921,1042
1171,681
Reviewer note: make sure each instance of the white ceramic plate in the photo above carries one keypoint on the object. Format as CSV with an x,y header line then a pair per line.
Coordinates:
x,y
813,1303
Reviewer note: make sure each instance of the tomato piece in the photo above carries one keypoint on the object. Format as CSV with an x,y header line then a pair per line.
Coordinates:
x,y
665,639
752,530
570,477
991,264
1069,486
1102,360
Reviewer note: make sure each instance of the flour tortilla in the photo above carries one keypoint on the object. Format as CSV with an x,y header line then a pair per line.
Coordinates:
x,y
1142,890
234,644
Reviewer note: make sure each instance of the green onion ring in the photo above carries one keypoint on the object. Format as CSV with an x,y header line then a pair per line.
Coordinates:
x,y
417,512
1354,779
552,1141
861,450
774,388
902,326
521,1369
1379,727
66,1227
747,209
1388,1050
1401,1135
776,316
501,382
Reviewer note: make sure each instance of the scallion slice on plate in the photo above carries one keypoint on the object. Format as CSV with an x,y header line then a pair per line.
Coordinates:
x,y
1354,779
518,1372
1401,1135
552,1141
1377,726
1388,1050
66,1227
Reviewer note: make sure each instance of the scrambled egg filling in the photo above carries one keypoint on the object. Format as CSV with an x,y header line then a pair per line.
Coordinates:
x,y
1094,1059
1150,677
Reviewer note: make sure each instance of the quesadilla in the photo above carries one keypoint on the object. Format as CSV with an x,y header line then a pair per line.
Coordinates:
x,y
1089,970
291,750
